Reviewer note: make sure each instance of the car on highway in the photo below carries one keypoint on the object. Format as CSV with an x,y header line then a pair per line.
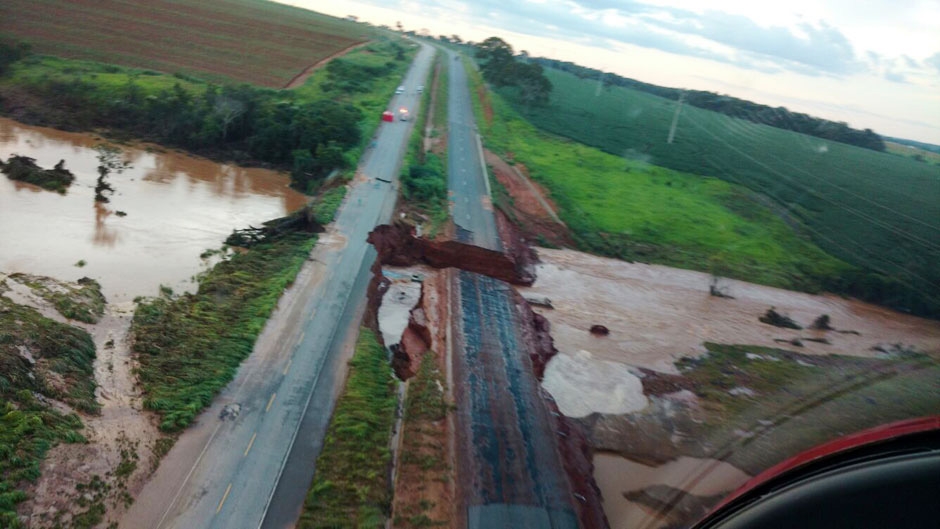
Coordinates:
x,y
400,90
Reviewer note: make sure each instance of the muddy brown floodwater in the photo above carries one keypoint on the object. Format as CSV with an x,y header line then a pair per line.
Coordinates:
x,y
655,316
176,206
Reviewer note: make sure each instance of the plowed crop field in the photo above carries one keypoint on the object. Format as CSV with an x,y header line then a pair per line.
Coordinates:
x,y
255,41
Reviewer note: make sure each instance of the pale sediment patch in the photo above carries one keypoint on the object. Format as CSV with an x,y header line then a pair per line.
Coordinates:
x,y
402,296
582,385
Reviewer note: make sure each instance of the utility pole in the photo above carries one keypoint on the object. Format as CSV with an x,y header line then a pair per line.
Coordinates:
x,y
675,118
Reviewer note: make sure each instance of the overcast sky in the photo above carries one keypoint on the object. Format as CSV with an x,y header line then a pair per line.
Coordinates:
x,y
872,63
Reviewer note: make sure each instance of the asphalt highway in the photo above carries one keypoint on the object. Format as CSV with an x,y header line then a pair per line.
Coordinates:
x,y
248,460
466,175
508,465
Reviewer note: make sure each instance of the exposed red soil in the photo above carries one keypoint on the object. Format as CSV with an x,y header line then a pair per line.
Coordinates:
x,y
528,204
302,77
415,341
397,245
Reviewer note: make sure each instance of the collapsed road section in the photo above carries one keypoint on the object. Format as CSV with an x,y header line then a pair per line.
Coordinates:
x,y
519,462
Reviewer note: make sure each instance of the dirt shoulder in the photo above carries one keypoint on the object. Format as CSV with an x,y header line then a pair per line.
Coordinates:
x,y
526,203
302,77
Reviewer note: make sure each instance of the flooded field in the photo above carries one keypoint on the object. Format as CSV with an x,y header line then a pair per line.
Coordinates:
x,y
176,207
661,423
657,314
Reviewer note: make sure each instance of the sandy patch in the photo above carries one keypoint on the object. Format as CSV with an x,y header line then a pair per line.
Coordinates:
x,y
582,385
658,314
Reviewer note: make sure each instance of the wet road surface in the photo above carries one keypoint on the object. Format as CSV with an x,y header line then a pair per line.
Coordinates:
x,y
508,466
252,469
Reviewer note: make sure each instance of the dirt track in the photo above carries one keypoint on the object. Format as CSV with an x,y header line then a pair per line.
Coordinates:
x,y
302,77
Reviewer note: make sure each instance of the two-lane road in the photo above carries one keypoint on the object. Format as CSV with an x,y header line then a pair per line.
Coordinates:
x,y
252,469
466,175
508,464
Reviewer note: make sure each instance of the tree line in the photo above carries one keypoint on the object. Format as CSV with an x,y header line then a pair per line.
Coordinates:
x,y
778,117
501,68
241,123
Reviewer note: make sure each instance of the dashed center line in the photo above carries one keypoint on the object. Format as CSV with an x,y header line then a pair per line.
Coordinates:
x,y
224,497
270,402
250,443
287,367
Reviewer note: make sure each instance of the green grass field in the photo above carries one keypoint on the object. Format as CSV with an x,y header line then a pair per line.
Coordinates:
x,y
875,210
634,210
913,152
256,41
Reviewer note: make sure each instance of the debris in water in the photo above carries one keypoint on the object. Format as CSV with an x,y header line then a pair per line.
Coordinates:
x,y
772,317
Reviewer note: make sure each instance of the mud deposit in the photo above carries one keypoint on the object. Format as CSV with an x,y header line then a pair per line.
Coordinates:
x,y
657,315
707,415
176,207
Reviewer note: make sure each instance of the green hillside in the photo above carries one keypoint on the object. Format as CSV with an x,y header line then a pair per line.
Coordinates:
x,y
637,211
878,211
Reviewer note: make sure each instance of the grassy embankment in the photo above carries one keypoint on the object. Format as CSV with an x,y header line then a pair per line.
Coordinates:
x,y
423,470
633,210
809,399
424,169
190,346
351,488
40,360
874,210
254,41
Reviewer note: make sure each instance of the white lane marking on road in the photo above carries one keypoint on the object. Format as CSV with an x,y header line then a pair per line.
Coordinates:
x,y
287,367
189,475
224,497
270,402
250,443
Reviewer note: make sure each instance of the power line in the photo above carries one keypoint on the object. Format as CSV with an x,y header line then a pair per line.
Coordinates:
x,y
821,196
